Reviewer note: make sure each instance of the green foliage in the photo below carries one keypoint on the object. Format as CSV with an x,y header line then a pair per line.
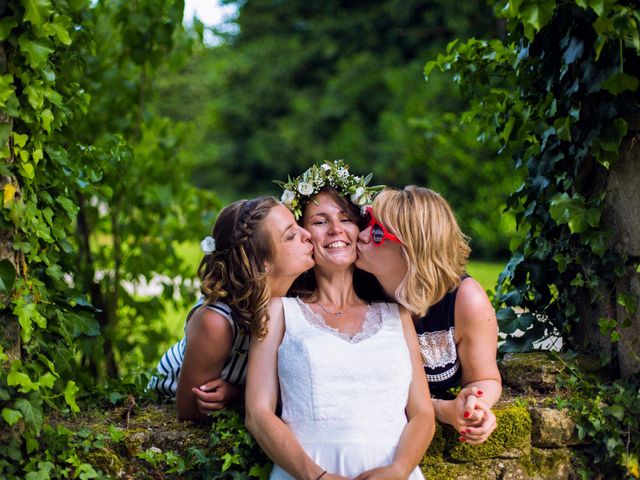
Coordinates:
x,y
93,202
235,452
608,419
556,99
562,133
295,84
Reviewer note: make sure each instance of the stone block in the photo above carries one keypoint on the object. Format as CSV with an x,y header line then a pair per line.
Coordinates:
x,y
552,428
530,371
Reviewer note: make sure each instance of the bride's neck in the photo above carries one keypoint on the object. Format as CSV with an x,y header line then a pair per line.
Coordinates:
x,y
336,288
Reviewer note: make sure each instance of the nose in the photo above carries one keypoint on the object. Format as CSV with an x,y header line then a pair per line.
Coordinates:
x,y
305,235
365,235
336,227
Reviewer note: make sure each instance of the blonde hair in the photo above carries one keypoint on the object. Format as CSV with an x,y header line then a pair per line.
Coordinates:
x,y
434,247
235,272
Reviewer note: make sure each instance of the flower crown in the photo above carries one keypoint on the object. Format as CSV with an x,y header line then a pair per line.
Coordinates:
x,y
298,192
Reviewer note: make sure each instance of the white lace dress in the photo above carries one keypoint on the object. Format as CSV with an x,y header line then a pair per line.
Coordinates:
x,y
344,397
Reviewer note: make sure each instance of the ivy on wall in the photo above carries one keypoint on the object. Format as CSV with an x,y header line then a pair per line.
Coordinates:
x,y
95,198
557,98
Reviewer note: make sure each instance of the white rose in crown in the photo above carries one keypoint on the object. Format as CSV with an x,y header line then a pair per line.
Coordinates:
x,y
358,198
287,198
305,188
208,245
326,167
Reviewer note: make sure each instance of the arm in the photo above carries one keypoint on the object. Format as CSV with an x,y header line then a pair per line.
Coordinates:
x,y
418,432
477,344
209,341
261,398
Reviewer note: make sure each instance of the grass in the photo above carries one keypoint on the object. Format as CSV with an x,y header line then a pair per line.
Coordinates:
x,y
486,273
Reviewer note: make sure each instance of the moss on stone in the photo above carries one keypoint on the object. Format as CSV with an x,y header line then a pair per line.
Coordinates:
x,y
548,463
512,437
107,461
441,470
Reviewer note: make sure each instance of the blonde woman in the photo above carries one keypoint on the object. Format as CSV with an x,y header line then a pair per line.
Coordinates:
x,y
414,247
255,251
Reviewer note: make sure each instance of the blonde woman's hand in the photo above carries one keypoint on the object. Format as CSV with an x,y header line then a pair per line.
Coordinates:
x,y
482,425
215,395
470,416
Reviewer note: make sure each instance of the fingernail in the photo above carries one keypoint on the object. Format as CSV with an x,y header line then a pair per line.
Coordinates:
x,y
467,414
462,439
480,392
203,387
464,432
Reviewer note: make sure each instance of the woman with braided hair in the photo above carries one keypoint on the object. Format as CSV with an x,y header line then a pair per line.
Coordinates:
x,y
255,251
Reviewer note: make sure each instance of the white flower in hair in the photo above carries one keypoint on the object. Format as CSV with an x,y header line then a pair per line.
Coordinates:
x,y
208,245
358,198
326,167
305,188
287,198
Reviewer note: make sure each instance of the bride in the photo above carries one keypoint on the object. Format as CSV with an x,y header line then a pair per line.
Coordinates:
x,y
355,401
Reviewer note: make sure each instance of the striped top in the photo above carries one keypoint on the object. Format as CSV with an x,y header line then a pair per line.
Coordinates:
x,y
235,367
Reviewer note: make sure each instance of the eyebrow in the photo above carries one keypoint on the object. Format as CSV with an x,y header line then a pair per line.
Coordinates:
x,y
289,227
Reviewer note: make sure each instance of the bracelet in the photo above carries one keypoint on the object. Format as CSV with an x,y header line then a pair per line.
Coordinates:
x,y
321,475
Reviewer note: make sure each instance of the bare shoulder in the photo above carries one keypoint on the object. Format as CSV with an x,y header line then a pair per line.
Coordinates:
x,y
208,323
473,306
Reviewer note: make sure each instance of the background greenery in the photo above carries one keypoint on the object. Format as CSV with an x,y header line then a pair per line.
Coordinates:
x,y
122,134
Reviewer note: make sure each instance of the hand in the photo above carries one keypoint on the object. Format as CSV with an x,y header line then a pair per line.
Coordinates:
x,y
331,476
215,395
479,430
474,420
390,472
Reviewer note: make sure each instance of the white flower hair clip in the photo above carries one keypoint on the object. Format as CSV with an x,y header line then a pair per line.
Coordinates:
x,y
208,245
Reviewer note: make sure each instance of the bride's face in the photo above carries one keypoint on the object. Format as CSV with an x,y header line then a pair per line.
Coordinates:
x,y
334,232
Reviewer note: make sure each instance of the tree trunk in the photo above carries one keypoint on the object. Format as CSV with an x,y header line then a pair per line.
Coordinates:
x,y
623,205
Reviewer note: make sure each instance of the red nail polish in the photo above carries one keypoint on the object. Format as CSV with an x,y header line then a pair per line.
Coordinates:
x,y
467,414
480,392
462,439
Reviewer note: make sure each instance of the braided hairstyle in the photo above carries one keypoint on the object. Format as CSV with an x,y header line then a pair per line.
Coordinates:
x,y
235,272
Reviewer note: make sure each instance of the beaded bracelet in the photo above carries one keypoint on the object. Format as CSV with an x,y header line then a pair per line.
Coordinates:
x,y
321,475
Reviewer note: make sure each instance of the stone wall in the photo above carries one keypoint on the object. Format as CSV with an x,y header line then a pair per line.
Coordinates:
x,y
533,440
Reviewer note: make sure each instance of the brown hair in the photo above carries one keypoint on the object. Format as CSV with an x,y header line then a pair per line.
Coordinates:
x,y
235,272
365,284
434,247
